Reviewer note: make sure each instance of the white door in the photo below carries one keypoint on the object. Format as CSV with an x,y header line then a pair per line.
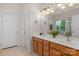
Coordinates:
x,y
26,31
9,33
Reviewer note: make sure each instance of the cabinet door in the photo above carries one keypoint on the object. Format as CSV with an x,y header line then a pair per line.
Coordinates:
x,y
45,42
40,49
9,33
69,51
54,52
45,47
45,53
34,46
55,46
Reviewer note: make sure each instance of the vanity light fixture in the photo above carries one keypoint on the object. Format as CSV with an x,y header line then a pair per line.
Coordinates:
x,y
59,5
48,9
62,7
43,11
40,12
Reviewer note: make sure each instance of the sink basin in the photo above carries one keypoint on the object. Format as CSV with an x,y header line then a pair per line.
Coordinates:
x,y
63,40
71,42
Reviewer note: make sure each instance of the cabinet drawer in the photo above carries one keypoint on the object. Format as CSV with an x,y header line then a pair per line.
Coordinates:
x,y
45,42
69,51
54,52
39,49
45,53
45,47
55,46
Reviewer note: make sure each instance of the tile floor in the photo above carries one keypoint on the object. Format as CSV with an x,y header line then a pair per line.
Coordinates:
x,y
16,51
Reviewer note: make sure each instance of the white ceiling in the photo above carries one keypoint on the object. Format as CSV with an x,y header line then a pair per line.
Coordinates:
x,y
42,5
57,9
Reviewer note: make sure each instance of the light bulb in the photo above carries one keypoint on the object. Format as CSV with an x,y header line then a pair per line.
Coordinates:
x,y
40,13
52,11
62,7
48,12
44,11
48,9
71,4
59,5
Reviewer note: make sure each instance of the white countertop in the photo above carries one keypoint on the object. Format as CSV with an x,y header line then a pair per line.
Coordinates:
x,y
62,40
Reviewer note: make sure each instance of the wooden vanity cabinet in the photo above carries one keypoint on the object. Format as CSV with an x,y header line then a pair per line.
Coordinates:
x,y
37,45
45,48
69,51
34,41
55,46
54,52
45,53
64,50
54,49
63,54
40,48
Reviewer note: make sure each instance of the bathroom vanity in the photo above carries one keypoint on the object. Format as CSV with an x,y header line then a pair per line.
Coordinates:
x,y
59,46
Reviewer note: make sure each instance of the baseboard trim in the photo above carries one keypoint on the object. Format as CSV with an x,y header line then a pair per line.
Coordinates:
x,y
10,47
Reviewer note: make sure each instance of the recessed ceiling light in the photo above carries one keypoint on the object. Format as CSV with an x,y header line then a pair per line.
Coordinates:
x,y
62,7
59,5
71,4
48,12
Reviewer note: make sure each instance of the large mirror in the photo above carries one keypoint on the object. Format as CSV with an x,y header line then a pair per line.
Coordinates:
x,y
68,25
